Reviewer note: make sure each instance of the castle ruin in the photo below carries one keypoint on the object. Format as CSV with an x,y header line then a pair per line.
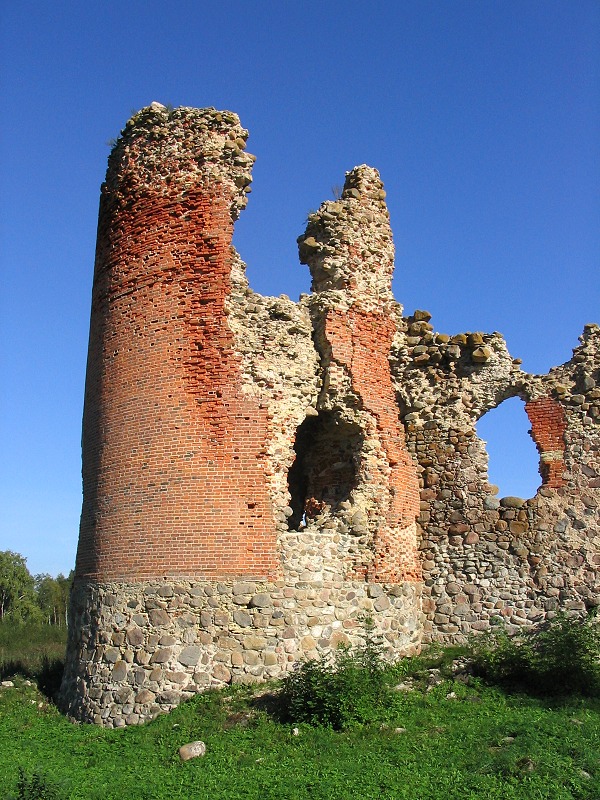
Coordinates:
x,y
261,476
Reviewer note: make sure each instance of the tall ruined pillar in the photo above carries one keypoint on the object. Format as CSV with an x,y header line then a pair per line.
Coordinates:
x,y
349,249
222,538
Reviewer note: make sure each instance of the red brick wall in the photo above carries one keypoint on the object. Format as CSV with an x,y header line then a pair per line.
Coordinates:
x,y
361,341
548,425
174,460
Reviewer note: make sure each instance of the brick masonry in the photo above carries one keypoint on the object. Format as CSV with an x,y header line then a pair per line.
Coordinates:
x,y
548,428
260,476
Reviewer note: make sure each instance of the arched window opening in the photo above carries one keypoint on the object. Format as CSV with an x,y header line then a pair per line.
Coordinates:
x,y
324,471
513,458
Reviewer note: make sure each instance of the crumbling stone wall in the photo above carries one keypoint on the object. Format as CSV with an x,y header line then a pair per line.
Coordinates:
x,y
348,247
204,405
261,476
489,560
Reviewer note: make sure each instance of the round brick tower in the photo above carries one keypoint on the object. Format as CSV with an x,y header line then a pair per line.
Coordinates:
x,y
237,516
165,425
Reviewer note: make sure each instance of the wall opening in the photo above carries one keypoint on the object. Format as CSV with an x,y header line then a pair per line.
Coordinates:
x,y
513,457
324,471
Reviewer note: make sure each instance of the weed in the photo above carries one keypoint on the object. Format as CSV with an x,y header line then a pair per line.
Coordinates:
x,y
337,690
27,647
35,651
561,657
50,676
35,787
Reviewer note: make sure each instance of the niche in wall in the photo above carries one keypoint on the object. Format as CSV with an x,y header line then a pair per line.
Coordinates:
x,y
324,471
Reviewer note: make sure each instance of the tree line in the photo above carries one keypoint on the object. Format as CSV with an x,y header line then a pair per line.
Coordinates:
x,y
31,598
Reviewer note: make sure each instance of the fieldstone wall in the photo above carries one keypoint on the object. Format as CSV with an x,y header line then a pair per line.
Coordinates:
x,y
262,476
145,647
489,560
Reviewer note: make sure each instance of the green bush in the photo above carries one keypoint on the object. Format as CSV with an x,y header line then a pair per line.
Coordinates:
x,y
35,787
337,690
561,657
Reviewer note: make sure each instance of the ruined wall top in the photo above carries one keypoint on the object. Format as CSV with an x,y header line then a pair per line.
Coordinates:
x,y
348,242
171,150
261,475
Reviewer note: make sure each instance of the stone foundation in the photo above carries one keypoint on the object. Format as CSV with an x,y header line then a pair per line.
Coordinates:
x,y
140,649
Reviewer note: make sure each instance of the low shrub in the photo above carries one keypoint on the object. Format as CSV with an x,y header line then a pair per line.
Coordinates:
x,y
561,657
337,690
35,787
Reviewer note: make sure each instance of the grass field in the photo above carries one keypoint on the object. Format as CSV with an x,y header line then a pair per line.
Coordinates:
x,y
442,739
26,649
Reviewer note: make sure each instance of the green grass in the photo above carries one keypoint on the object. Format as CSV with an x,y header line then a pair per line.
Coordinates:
x,y
35,651
482,743
444,734
25,648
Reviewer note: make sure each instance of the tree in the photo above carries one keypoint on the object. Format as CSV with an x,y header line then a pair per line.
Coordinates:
x,y
53,598
17,589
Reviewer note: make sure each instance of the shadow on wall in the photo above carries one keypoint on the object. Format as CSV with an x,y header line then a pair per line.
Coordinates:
x,y
513,457
324,471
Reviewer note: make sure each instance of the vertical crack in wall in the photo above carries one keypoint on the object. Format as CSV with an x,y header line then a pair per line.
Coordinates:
x,y
348,247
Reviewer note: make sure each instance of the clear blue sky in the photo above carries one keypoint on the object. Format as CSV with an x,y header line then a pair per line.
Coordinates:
x,y
483,118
